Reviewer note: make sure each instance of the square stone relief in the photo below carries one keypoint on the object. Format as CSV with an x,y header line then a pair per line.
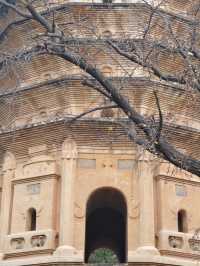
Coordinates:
x,y
87,163
181,190
124,164
33,189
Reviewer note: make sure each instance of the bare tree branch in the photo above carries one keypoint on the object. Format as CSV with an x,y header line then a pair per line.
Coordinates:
x,y
55,43
17,10
154,69
159,130
91,111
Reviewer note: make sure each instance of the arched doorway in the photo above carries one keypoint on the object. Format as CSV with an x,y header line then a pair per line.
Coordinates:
x,y
106,219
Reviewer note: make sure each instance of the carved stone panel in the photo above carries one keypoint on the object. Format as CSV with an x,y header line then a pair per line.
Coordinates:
x,y
181,190
38,241
18,243
39,166
87,163
33,189
194,244
176,242
125,164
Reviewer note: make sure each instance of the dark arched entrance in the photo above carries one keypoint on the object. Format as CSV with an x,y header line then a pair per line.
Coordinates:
x,y
106,217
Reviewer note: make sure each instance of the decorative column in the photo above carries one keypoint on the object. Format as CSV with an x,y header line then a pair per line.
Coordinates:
x,y
147,213
68,171
9,166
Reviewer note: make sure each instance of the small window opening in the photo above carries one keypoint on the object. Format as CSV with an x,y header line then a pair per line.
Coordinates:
x,y
31,220
182,221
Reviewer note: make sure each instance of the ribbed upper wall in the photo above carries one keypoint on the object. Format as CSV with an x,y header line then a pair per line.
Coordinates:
x,y
91,134
70,98
173,5
93,20
44,103
89,22
181,7
42,68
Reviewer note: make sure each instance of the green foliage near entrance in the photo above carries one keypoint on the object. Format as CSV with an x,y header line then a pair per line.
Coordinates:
x,y
103,255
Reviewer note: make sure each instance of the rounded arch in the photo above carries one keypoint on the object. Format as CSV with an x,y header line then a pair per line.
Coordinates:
x,y
104,188
106,222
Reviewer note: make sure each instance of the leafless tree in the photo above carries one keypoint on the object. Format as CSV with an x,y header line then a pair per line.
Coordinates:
x,y
166,50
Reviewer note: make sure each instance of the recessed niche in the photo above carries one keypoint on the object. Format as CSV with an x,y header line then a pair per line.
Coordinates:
x,y
124,164
87,163
107,70
107,34
47,75
43,114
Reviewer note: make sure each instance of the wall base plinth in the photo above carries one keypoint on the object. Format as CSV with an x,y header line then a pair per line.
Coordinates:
x,y
69,253
137,260
147,250
1,256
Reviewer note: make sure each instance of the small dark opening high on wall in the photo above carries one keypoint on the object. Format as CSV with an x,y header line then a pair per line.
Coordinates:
x,y
31,220
182,221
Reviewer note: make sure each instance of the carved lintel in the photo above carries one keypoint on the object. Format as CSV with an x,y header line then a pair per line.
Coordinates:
x,y
69,149
39,166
